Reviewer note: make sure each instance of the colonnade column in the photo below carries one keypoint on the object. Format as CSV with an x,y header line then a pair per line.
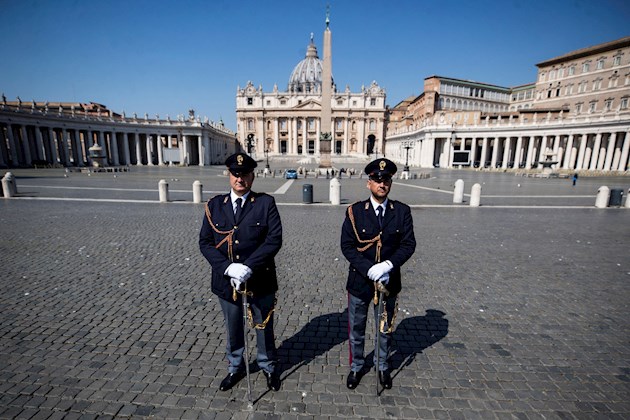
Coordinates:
x,y
148,143
530,152
65,136
473,150
595,153
51,145
568,153
126,148
506,152
14,153
4,158
495,152
26,146
484,152
138,149
624,152
543,151
610,151
113,145
276,137
582,151
518,153
39,143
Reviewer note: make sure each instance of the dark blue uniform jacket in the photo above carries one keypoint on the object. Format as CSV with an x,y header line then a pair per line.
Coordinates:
x,y
256,240
398,245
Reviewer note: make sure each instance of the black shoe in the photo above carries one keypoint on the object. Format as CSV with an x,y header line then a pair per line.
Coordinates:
x,y
273,380
231,380
353,379
386,379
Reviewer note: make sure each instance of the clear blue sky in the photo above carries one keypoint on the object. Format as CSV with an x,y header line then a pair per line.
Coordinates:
x,y
166,56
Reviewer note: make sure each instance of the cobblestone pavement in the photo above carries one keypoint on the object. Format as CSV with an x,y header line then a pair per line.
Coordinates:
x,y
105,309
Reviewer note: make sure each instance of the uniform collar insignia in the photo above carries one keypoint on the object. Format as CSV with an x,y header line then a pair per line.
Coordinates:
x,y
225,200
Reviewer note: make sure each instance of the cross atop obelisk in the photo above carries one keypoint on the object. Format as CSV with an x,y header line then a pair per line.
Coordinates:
x,y
325,138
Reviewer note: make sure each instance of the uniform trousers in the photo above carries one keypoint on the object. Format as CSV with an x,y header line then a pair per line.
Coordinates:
x,y
266,355
357,320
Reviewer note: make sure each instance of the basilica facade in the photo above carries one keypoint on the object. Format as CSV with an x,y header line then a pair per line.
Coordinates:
x,y
289,122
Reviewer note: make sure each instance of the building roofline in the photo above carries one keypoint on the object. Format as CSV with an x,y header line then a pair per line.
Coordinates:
x,y
584,52
470,82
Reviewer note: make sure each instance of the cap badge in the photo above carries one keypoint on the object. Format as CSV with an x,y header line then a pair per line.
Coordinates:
x,y
382,164
239,159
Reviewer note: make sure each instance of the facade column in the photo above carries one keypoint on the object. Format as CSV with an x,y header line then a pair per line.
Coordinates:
x,y
126,148
4,158
13,146
568,155
530,152
138,149
184,150
624,152
595,154
557,149
77,149
582,152
473,151
113,147
149,147
276,136
305,146
202,149
610,151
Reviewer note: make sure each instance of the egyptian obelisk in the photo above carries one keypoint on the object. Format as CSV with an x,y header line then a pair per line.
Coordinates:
x,y
325,137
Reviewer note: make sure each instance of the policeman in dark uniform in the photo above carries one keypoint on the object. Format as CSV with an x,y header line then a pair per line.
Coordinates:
x,y
377,239
240,236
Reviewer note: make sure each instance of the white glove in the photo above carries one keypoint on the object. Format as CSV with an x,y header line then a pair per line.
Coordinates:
x,y
238,271
237,284
385,279
379,270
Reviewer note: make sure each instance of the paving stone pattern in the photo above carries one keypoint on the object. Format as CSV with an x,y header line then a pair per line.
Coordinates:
x,y
105,312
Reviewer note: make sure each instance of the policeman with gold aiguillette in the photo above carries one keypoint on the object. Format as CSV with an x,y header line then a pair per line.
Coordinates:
x,y
240,236
377,239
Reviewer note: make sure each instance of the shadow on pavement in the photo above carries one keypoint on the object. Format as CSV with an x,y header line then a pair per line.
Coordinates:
x,y
316,338
415,334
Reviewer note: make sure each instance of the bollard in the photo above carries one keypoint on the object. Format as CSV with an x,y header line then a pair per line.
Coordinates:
x,y
475,195
335,191
603,195
7,188
307,193
197,192
163,188
458,196
628,200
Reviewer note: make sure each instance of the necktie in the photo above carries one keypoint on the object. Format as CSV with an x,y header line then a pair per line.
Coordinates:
x,y
379,215
239,208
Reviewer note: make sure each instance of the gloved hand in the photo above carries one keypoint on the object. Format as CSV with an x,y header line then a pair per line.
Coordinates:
x,y
378,270
238,271
237,284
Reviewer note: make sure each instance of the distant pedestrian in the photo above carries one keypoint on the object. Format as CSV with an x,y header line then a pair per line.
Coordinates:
x,y
575,177
377,238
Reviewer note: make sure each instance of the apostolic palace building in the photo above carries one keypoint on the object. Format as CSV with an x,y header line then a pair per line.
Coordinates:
x,y
574,117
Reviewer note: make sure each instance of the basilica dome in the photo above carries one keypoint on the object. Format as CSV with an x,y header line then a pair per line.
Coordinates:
x,y
307,75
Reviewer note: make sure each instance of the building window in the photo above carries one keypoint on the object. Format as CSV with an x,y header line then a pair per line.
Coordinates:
x,y
283,124
268,102
311,124
552,74
372,125
600,64
572,70
339,101
372,101
624,103
608,104
339,124
578,108
592,106
354,103
617,60
542,77
585,67
283,102
250,124
561,73
250,101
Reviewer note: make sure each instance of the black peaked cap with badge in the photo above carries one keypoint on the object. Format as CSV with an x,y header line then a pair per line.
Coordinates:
x,y
381,168
240,164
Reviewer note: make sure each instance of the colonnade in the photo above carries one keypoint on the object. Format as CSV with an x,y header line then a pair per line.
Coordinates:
x,y
28,139
588,148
